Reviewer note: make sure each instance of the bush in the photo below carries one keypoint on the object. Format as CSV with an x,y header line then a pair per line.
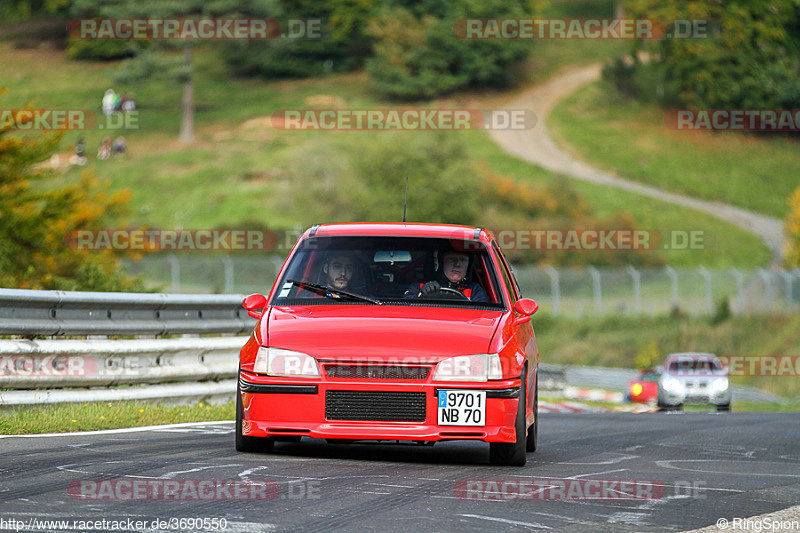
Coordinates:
x,y
342,47
369,184
38,217
722,312
101,50
417,54
749,61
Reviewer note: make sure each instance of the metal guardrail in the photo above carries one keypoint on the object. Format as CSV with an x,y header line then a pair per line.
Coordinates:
x,y
552,377
32,312
186,369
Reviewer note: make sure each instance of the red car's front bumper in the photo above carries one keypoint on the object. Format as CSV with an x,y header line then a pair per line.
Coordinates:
x,y
274,407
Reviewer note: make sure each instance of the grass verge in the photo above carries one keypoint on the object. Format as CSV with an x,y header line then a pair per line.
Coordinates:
x,y
64,418
631,138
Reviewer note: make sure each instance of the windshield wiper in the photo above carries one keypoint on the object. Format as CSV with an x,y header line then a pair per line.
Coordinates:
x,y
332,293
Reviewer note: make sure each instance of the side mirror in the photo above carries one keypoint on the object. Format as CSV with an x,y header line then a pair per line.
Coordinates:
x,y
254,302
525,307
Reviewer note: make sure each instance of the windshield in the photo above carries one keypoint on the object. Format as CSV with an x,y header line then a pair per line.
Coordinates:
x,y
397,270
689,365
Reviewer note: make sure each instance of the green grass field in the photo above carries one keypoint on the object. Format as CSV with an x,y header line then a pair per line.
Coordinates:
x,y
239,168
93,416
630,138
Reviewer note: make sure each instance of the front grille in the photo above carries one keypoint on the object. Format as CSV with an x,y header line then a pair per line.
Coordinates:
x,y
375,406
377,371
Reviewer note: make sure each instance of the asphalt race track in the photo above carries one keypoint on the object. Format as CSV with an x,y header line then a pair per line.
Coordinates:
x,y
703,466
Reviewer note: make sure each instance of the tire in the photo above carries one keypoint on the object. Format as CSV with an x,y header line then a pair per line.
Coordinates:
x,y
512,453
724,407
248,444
533,431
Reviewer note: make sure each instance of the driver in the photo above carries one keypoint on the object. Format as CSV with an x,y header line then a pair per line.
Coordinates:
x,y
338,270
452,274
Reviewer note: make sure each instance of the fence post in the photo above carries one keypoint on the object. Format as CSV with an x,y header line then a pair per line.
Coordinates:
x,y
597,289
787,279
555,290
175,269
673,279
795,272
764,275
739,290
709,300
637,290
228,264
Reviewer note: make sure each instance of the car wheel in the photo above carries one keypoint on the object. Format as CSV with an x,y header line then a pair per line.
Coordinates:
x,y
679,407
248,444
533,431
512,453
724,407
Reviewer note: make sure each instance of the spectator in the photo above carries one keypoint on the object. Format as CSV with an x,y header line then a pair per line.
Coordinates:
x,y
80,152
119,147
128,104
104,152
108,101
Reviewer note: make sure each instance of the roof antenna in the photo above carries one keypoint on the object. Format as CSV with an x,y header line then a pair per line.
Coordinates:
x,y
405,201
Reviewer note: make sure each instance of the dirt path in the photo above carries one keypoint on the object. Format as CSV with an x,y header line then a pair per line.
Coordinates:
x,y
536,146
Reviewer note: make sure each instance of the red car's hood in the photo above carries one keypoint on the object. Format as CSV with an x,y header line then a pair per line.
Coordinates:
x,y
372,333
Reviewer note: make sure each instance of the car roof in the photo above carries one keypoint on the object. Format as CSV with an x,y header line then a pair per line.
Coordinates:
x,y
399,229
692,355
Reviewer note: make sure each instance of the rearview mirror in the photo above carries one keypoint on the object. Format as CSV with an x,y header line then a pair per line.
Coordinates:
x,y
254,302
392,256
525,307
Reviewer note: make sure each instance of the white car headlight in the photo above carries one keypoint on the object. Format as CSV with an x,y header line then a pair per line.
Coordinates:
x,y
480,367
671,384
719,385
280,362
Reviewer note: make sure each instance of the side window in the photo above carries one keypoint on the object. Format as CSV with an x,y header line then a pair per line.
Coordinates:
x,y
506,272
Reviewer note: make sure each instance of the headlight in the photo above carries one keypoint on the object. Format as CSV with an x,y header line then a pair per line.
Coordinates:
x,y
719,385
481,367
672,384
280,362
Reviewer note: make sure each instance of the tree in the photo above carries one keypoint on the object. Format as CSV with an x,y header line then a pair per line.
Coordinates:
x,y
750,60
37,219
419,55
159,58
342,45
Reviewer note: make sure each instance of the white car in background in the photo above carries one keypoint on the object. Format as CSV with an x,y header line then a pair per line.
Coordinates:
x,y
697,378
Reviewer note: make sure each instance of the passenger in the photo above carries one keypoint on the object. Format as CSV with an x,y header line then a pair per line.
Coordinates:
x,y
453,273
338,270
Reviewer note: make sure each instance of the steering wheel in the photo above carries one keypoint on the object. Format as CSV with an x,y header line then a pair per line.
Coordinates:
x,y
448,294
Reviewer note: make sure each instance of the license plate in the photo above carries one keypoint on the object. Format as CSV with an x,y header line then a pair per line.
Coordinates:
x,y
461,408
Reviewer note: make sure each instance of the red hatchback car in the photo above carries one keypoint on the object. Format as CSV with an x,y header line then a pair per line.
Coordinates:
x,y
644,388
392,331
